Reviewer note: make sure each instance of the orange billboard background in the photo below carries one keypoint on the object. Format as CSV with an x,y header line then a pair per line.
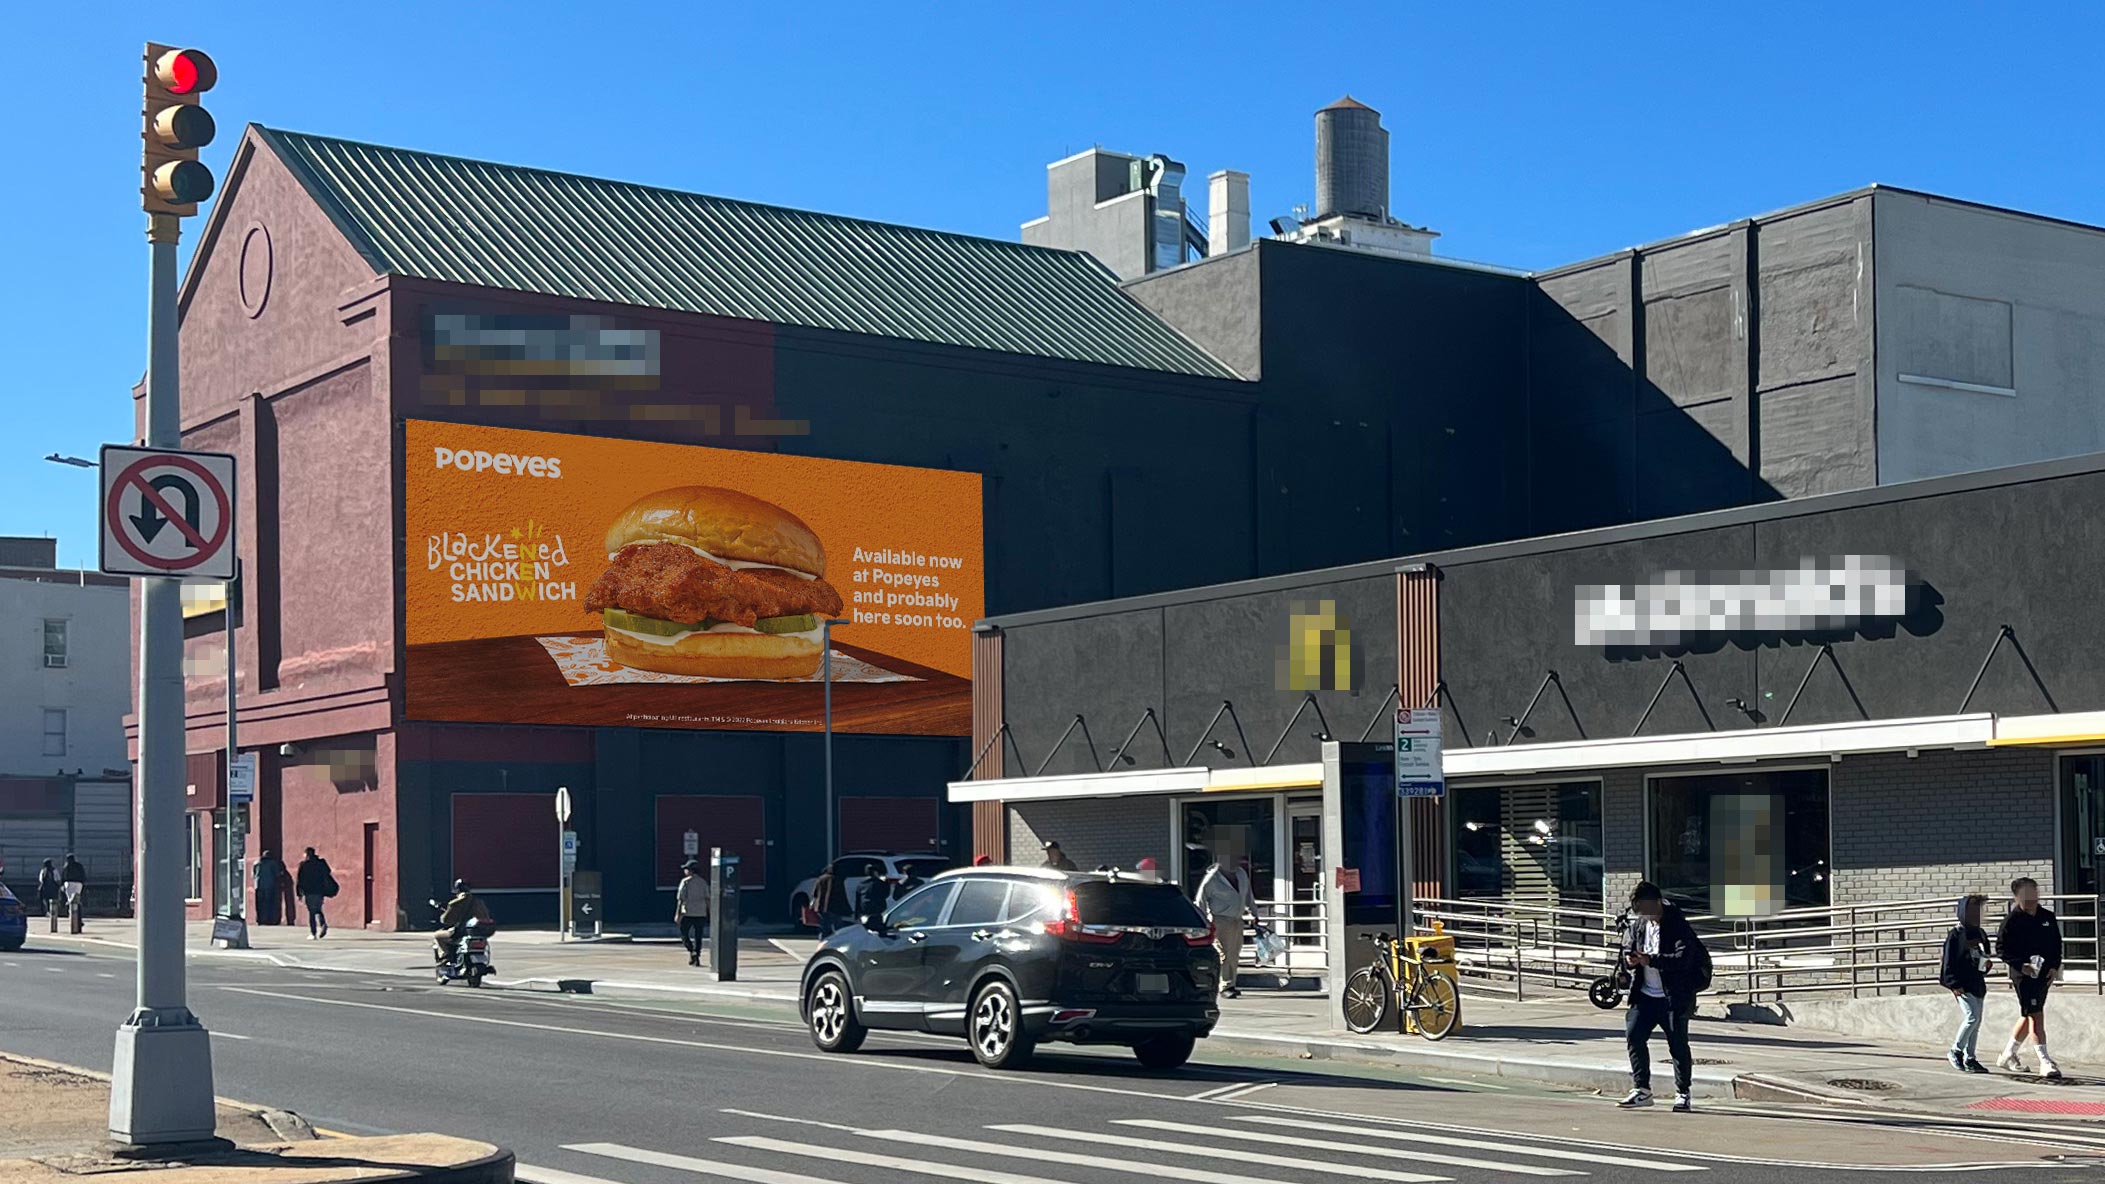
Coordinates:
x,y
511,543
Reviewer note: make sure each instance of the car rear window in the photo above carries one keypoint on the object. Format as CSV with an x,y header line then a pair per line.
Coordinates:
x,y
1148,905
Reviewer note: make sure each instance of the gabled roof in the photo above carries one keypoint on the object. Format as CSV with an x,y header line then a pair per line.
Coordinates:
x,y
529,230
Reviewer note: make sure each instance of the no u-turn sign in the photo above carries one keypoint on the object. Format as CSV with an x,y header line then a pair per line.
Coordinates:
x,y
167,513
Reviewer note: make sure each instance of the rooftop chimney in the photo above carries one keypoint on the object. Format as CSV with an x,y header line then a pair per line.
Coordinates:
x,y
1352,161
1227,212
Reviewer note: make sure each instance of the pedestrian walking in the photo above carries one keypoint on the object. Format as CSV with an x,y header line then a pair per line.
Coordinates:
x,y
1963,970
690,909
2029,943
288,894
872,895
48,890
315,884
825,906
73,882
1057,859
1224,897
1674,967
270,872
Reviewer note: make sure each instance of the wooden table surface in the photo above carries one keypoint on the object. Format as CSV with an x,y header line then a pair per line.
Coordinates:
x,y
513,680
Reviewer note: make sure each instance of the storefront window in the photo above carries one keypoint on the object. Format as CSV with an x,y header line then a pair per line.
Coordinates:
x,y
1237,833
2082,824
1720,832
1528,842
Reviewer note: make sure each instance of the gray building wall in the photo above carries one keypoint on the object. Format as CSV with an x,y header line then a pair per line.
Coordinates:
x,y
1992,299
93,688
1088,207
1940,824
1119,832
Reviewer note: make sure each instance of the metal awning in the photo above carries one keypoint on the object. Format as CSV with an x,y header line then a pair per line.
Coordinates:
x,y
1139,783
1740,747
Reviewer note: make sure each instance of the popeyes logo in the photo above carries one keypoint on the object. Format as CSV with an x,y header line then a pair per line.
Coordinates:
x,y
508,464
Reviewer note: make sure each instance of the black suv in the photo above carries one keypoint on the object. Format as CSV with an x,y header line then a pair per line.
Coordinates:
x,y
1008,957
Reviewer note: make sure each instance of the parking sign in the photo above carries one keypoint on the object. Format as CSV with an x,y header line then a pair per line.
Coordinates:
x,y
1418,773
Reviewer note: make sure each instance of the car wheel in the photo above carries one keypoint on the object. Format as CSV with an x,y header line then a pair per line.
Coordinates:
x,y
475,978
830,1013
995,1027
1164,1052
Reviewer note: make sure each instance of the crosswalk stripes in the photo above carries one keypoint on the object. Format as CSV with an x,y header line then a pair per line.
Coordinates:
x,y
1271,1139
685,1163
1202,1151
824,1152
1078,1159
1410,1136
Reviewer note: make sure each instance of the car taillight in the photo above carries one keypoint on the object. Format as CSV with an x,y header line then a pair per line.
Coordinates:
x,y
1199,939
1068,925
478,945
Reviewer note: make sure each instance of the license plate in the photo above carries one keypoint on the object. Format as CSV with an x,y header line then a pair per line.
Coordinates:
x,y
1151,984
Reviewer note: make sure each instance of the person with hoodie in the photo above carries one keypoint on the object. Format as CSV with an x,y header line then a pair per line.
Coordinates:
x,y
2029,943
1963,971
1672,967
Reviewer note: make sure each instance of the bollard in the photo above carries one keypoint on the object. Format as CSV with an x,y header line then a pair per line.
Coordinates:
x,y
723,915
51,914
74,909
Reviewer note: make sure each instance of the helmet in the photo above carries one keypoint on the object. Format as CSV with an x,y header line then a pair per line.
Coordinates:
x,y
460,886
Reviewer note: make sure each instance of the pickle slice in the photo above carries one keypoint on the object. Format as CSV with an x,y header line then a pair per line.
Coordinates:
x,y
801,623
636,623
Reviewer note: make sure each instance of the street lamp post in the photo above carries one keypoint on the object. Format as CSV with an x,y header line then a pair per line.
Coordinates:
x,y
826,649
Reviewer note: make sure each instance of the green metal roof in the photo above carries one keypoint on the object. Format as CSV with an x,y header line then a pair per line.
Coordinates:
x,y
529,230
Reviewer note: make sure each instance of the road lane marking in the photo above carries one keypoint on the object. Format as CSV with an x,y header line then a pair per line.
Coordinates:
x,y
527,1173
1469,1084
897,1163
685,1163
832,1059
226,1035
1204,1152
104,974
1220,1091
1372,1132
1276,1140
1239,1093
1013,1151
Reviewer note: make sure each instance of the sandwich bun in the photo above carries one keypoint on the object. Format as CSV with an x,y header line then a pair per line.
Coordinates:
x,y
725,523
720,655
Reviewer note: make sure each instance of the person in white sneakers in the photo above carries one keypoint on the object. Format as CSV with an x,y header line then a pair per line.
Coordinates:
x,y
1673,967
2029,943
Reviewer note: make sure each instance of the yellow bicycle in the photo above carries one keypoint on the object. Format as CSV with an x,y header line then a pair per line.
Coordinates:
x,y
1399,978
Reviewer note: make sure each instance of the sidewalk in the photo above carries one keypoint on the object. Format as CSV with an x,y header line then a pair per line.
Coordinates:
x,y
1561,1040
55,1131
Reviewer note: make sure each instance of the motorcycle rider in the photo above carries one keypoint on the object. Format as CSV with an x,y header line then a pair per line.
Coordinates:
x,y
463,907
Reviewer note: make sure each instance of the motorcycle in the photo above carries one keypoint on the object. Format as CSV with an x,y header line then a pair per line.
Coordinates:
x,y
1607,991
470,958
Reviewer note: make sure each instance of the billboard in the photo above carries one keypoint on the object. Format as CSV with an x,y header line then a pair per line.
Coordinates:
x,y
557,579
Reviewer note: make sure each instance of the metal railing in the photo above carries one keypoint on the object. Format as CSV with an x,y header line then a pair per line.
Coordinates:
x,y
1885,947
1301,923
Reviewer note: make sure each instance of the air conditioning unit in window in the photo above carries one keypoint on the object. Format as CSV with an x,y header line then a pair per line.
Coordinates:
x,y
54,661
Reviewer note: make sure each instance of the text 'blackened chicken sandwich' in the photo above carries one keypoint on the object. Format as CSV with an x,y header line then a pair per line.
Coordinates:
x,y
713,582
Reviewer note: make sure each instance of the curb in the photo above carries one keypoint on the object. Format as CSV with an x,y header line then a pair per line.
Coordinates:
x,y
273,1117
1600,1078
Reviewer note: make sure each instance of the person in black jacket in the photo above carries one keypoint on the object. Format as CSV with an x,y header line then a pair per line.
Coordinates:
x,y
2029,943
48,890
315,883
873,894
1671,966
1963,971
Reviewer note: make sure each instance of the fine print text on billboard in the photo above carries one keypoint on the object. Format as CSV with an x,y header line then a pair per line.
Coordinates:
x,y
615,583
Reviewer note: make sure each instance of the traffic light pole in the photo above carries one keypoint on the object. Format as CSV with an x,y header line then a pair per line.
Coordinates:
x,y
161,1088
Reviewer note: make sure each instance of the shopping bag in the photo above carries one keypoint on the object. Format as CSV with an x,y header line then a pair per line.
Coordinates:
x,y
1270,947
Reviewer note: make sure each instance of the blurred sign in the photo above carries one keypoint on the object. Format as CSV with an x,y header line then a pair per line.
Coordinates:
x,y
690,844
2097,845
562,804
584,903
1348,879
241,779
569,851
1418,773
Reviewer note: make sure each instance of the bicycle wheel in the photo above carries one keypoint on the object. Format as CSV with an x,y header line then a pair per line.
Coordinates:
x,y
1366,999
1436,1006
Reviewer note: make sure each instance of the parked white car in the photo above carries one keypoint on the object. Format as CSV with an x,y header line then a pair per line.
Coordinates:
x,y
848,875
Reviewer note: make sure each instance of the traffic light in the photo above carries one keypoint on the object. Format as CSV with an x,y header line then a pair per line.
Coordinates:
x,y
173,181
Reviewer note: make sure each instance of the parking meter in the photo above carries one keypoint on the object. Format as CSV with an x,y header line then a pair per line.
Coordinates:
x,y
723,915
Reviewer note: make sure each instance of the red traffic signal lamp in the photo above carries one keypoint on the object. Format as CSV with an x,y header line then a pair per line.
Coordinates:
x,y
176,126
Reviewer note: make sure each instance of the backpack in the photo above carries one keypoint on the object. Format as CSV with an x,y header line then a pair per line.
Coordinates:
x,y
1701,975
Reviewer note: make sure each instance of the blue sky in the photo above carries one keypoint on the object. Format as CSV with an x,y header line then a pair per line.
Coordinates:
x,y
1528,134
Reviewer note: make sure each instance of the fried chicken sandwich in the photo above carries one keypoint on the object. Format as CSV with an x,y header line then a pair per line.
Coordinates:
x,y
713,582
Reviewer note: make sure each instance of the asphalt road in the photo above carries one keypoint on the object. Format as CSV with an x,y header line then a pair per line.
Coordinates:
x,y
596,1092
